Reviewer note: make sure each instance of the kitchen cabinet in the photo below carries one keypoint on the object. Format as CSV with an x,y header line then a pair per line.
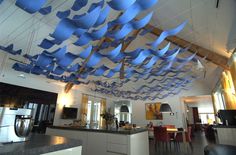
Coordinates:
x,y
106,142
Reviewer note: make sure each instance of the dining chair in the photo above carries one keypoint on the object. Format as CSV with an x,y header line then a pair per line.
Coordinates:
x,y
179,137
172,135
161,135
169,126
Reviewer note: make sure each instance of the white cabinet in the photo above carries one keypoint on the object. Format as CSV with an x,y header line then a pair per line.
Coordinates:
x,y
226,136
70,151
80,135
117,144
98,143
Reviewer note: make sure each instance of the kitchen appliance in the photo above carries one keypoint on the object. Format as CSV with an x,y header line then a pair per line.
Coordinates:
x,y
69,113
228,117
15,124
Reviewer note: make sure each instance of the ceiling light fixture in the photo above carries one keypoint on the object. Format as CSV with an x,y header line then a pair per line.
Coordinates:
x,y
165,108
124,108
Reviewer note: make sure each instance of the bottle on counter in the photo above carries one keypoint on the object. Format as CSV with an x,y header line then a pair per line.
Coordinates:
x,y
226,123
117,125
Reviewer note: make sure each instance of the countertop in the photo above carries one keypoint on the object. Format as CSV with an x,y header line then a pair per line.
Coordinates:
x,y
39,144
224,126
113,130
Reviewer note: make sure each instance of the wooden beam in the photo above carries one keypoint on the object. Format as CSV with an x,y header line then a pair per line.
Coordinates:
x,y
214,57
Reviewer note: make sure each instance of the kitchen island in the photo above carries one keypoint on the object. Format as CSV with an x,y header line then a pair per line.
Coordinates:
x,y
43,144
98,141
226,134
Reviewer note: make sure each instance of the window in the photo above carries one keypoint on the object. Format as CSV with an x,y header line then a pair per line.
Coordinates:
x,y
207,118
93,111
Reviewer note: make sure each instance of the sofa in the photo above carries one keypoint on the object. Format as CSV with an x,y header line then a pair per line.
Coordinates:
x,y
219,149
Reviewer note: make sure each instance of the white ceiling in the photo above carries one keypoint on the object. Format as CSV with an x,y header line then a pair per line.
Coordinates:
x,y
208,26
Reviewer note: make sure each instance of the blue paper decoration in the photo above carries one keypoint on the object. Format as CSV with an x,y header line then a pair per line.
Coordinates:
x,y
63,14
43,60
46,10
46,43
64,29
73,68
95,35
30,6
9,49
67,60
86,21
85,54
67,27
95,5
57,54
58,70
166,78
78,4
102,16
129,27
120,4
167,33
133,10
22,67
145,31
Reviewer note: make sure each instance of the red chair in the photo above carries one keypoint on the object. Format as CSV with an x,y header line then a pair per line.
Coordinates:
x,y
179,137
172,135
169,126
161,135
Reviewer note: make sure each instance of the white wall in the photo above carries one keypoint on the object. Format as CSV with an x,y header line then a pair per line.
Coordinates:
x,y
176,104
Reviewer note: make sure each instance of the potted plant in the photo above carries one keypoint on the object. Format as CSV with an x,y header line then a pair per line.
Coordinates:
x,y
108,117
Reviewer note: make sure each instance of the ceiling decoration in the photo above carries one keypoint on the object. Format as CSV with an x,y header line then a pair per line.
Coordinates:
x,y
34,6
164,70
9,49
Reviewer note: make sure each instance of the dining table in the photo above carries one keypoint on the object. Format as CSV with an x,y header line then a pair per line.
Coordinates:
x,y
175,131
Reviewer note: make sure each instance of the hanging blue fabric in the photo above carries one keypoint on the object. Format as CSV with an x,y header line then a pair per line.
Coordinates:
x,y
120,4
85,53
167,33
86,21
46,10
9,49
64,29
46,43
58,54
30,6
63,14
67,60
94,35
129,27
73,68
113,53
102,16
58,70
43,60
133,10
78,4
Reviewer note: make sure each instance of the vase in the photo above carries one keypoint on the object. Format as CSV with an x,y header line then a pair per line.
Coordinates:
x,y
108,125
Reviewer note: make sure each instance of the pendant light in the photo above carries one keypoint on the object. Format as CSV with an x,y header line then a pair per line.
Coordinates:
x,y
165,108
124,108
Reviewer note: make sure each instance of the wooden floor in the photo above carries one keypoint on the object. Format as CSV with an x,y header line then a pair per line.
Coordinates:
x,y
199,142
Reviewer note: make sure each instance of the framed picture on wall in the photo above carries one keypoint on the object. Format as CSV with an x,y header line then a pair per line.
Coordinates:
x,y
153,111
